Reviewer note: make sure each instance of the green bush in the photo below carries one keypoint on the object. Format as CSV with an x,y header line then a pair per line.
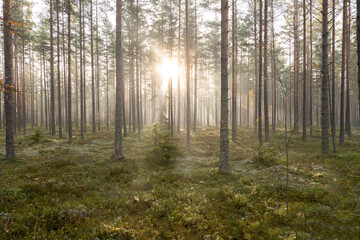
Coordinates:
x,y
266,156
349,163
163,150
37,137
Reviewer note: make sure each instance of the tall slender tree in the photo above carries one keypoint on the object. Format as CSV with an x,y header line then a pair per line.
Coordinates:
x,y
179,64
333,92
256,70
358,47
52,81
118,152
98,69
137,49
234,75
9,85
266,105
348,69
187,53
343,65
324,81
224,122
58,67
81,75
93,116
69,72
196,72
260,76
304,112
311,71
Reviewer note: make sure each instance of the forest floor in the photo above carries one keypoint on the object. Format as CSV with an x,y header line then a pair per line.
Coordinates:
x,y
58,190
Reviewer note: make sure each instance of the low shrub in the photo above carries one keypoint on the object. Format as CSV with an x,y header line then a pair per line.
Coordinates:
x,y
266,156
163,151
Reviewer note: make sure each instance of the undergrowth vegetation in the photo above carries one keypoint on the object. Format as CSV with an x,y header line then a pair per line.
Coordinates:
x,y
57,190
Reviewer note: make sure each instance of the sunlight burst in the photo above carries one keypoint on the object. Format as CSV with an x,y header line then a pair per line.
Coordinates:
x,y
168,69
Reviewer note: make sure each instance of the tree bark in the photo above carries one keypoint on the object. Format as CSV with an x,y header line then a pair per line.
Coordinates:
x,y
69,73
304,122
196,72
9,87
93,116
98,69
266,105
296,65
324,81
81,76
358,47
260,78
343,64
179,65
118,154
224,122
348,71
58,68
234,74
188,107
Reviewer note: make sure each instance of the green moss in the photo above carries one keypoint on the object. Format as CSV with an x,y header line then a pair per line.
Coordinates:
x,y
57,190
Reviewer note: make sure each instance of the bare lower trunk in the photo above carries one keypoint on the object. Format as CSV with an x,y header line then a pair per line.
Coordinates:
x,y
266,105
224,123
324,81
9,112
118,112
69,73
188,111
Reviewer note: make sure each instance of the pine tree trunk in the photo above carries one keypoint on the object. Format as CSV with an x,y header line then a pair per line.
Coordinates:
x,y
296,65
224,122
179,65
98,69
41,92
266,102
348,67
8,89
69,74
304,112
311,73
93,116
81,77
324,81
196,72
260,78
343,64
358,47
76,117
333,94
273,73
256,72
234,75
188,107
107,90
137,72
118,112
84,67
58,68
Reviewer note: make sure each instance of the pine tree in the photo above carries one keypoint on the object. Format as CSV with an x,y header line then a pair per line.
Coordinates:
x,y
224,128
69,73
118,153
324,81
9,85
343,65
304,112
188,107
52,80
266,102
